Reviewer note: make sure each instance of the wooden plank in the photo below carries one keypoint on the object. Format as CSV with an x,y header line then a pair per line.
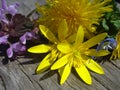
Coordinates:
x,y
110,79
22,77
26,6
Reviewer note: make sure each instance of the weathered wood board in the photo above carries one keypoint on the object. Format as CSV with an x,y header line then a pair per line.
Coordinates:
x,y
19,75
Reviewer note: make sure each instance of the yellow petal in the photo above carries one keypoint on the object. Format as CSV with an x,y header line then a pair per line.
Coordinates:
x,y
114,54
48,34
84,74
63,30
44,65
60,62
71,38
92,65
54,54
39,49
60,71
65,73
80,36
64,47
93,52
95,40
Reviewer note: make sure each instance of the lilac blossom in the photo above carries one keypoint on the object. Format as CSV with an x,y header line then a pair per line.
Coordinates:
x,y
12,9
4,39
15,28
107,44
28,36
16,48
19,47
2,16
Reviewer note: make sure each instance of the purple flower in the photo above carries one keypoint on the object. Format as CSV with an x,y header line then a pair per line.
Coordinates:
x,y
2,16
28,36
3,39
12,9
107,44
16,48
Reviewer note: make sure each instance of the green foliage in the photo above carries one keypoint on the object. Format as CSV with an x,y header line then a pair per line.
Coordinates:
x,y
111,21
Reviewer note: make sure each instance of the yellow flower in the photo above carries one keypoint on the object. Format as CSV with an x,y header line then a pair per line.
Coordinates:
x,y
76,12
78,55
51,48
116,52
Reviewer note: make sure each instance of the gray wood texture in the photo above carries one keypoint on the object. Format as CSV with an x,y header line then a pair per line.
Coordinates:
x,y
19,75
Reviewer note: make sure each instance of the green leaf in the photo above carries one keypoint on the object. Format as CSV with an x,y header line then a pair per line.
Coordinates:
x,y
116,23
105,26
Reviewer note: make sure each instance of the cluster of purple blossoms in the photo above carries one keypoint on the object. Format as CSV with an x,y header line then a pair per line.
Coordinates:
x,y
12,25
5,9
19,47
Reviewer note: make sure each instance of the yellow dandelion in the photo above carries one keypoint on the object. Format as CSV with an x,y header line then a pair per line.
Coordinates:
x,y
78,55
76,12
52,47
116,52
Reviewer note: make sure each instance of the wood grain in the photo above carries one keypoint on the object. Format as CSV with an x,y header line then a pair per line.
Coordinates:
x,y
19,75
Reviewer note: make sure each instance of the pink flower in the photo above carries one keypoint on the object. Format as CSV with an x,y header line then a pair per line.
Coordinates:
x,y
12,9
16,48
3,39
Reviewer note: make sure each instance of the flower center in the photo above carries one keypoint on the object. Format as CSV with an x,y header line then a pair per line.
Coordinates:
x,y
77,60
